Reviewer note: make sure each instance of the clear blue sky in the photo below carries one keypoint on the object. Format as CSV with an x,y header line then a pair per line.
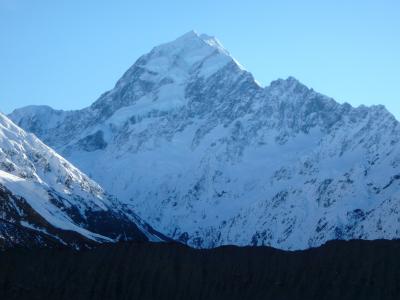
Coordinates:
x,y
66,53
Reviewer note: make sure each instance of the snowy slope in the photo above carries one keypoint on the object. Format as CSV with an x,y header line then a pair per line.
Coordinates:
x,y
190,141
41,191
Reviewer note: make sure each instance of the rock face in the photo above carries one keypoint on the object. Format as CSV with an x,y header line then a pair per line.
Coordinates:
x,y
46,201
197,148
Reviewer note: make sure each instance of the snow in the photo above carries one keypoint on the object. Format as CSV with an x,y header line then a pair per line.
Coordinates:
x,y
33,171
178,58
207,152
38,199
169,97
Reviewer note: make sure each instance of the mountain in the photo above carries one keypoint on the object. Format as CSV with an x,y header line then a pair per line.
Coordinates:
x,y
46,201
192,143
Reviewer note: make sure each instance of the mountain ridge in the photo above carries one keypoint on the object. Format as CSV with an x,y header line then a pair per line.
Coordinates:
x,y
204,153
43,193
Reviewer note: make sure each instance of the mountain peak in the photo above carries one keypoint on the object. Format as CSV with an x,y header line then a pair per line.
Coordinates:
x,y
189,58
192,38
191,50
179,59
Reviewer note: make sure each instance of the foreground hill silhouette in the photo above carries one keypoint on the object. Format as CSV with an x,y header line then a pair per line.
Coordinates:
x,y
337,270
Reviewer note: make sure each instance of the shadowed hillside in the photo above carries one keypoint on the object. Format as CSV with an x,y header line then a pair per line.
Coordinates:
x,y
337,270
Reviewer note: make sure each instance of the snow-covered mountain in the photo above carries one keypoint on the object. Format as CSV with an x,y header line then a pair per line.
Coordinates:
x,y
202,152
44,200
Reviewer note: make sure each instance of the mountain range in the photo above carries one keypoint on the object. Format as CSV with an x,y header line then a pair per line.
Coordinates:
x,y
190,142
